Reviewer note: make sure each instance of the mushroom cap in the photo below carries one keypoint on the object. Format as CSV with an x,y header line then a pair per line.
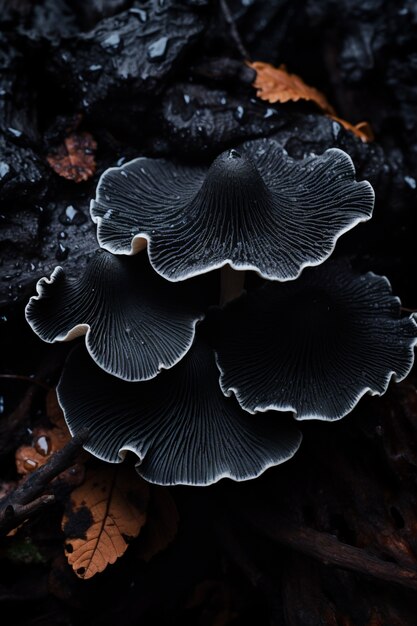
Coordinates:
x,y
134,322
180,425
314,346
254,208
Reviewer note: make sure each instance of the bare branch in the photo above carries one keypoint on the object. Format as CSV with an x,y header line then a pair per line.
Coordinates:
x,y
28,498
330,551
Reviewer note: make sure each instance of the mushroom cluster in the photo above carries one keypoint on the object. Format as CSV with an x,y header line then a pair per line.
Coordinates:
x,y
195,371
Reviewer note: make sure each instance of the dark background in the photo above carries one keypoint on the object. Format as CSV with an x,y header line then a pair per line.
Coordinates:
x,y
269,551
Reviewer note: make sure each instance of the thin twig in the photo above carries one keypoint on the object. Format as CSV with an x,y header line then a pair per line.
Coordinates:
x,y
15,515
233,30
28,498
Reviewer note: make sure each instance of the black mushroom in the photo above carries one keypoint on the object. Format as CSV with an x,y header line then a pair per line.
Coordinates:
x,y
314,346
309,341
180,426
134,322
254,208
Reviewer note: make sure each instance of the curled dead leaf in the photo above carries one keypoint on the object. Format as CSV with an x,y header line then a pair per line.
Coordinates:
x,y
74,159
278,85
107,510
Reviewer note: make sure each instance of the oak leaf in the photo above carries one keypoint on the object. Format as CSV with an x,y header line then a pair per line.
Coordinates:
x,y
278,85
74,159
105,512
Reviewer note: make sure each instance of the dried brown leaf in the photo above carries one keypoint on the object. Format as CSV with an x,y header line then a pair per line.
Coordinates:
x,y
107,510
161,524
277,85
74,159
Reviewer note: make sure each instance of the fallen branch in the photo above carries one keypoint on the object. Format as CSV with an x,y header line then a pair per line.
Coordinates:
x,y
330,551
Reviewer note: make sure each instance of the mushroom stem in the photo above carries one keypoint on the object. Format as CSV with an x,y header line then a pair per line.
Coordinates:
x,y
232,283
138,244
